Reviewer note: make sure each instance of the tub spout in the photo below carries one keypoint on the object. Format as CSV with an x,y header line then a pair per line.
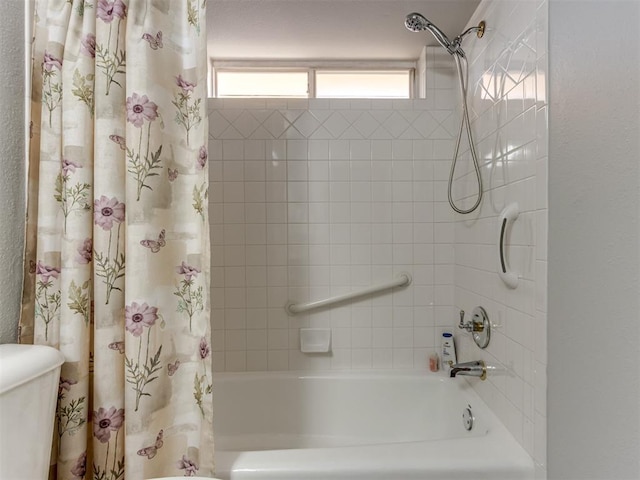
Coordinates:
x,y
473,369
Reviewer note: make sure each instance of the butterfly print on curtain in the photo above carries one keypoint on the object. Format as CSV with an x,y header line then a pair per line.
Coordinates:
x,y
155,245
151,450
154,42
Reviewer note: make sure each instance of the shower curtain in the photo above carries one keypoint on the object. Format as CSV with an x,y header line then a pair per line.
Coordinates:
x,y
117,250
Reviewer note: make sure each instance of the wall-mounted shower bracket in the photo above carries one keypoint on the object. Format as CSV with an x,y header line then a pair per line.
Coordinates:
x,y
481,26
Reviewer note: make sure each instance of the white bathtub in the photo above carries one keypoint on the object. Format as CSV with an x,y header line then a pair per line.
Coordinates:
x,y
346,426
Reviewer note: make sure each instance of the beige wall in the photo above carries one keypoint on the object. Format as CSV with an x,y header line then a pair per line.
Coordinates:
x,y
594,234
12,100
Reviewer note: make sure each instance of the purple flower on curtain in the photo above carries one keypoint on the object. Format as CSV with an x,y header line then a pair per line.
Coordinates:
x,y
65,384
85,252
187,270
108,10
139,316
185,85
107,421
88,45
51,62
139,109
46,271
204,348
189,466
79,470
69,166
202,157
107,211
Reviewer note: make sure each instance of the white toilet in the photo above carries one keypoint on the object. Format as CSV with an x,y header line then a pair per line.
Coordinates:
x,y
29,377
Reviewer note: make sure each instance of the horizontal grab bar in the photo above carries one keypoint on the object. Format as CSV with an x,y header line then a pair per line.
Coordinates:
x,y
403,279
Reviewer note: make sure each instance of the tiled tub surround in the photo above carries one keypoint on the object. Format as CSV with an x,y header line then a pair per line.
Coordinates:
x,y
303,218
325,196
312,198
509,115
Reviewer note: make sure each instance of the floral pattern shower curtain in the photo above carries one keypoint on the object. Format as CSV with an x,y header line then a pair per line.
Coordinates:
x,y
117,254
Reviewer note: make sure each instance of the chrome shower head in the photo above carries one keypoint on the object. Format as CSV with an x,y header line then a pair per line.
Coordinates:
x,y
418,23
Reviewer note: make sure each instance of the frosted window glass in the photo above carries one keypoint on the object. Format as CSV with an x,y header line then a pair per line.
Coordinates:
x,y
328,84
262,84
363,84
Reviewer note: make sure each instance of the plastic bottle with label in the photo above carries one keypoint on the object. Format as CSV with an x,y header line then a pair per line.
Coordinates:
x,y
448,355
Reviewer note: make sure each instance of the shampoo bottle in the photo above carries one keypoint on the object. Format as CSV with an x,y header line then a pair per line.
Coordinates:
x,y
448,351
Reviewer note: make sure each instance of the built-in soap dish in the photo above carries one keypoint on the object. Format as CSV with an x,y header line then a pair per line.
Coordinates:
x,y
315,340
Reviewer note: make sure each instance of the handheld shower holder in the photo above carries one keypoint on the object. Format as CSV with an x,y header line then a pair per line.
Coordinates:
x,y
481,27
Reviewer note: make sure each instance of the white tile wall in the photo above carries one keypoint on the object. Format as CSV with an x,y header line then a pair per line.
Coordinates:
x,y
313,198
509,115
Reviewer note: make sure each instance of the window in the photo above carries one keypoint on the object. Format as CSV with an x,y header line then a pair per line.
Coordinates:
x,y
261,84
294,80
363,84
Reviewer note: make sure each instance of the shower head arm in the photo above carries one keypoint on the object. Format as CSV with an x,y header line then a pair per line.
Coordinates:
x,y
479,29
418,23
456,45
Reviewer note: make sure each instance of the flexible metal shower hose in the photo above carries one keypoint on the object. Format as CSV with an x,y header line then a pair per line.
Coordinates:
x,y
464,79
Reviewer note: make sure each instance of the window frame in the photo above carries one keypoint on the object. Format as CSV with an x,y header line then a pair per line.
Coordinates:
x,y
310,68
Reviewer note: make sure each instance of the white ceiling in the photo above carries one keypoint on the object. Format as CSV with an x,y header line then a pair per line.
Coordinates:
x,y
327,29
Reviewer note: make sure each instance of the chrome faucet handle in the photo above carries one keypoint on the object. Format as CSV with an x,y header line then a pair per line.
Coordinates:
x,y
465,326
478,323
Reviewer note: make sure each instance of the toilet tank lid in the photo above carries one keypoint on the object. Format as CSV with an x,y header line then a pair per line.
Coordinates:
x,y
22,363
